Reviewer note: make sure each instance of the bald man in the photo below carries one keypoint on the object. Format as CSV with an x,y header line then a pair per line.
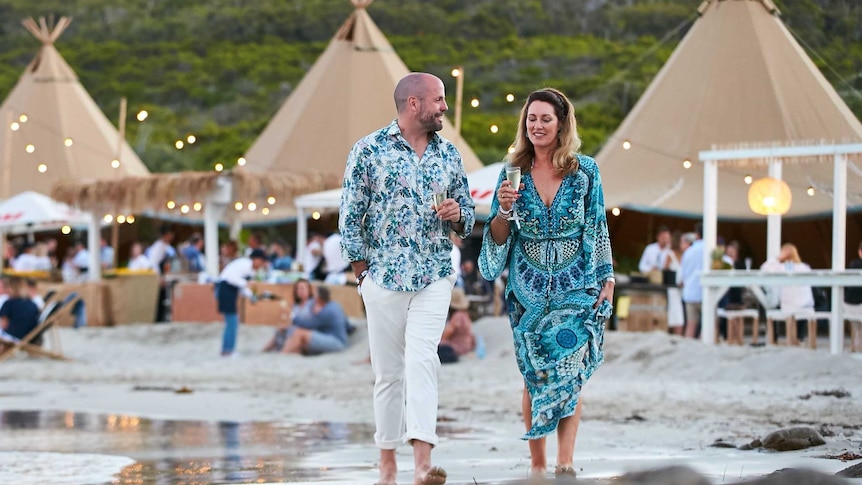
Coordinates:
x,y
396,241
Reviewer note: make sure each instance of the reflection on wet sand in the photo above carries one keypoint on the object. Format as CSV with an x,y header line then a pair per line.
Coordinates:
x,y
193,452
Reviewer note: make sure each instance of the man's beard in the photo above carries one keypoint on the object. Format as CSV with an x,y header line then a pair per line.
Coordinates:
x,y
431,122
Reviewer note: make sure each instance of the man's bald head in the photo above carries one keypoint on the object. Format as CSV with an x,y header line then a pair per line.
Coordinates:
x,y
414,84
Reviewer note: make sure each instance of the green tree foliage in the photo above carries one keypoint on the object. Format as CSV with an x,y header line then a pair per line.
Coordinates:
x,y
219,69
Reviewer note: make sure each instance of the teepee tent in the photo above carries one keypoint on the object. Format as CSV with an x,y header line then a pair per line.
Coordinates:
x,y
346,95
52,130
737,78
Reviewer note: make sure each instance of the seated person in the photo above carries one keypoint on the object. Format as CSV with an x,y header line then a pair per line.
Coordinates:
x,y
138,261
303,305
458,338
18,314
325,331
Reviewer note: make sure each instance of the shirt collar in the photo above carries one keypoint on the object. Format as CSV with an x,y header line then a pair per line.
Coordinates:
x,y
394,130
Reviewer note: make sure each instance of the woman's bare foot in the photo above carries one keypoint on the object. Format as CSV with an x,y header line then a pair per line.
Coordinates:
x,y
432,476
538,471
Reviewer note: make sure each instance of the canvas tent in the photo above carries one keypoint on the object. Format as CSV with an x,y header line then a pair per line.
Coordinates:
x,y
346,95
737,77
53,130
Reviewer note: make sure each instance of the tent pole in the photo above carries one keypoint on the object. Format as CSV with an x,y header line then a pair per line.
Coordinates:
x,y
115,227
301,235
773,222
94,269
710,229
839,235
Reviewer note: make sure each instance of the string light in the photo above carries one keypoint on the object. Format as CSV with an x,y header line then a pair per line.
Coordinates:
x,y
130,219
686,163
456,72
66,229
270,200
315,215
121,219
238,206
495,128
748,179
29,148
219,167
23,118
68,142
171,204
191,139
265,211
42,168
510,97
14,126
627,145
511,149
184,208
252,206
142,115
179,144
115,163
810,191
240,161
474,102
615,211
197,206
108,218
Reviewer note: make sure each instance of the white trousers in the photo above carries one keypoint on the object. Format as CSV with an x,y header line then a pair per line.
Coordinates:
x,y
404,328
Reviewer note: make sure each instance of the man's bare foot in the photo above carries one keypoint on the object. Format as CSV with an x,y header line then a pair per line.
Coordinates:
x,y
432,476
388,468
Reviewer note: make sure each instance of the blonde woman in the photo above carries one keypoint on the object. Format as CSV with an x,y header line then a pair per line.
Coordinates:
x,y
561,285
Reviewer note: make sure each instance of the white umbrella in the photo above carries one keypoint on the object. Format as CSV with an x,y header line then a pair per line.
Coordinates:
x,y
482,183
32,211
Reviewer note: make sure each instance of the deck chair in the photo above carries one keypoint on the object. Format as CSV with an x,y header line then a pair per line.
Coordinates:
x,y
46,324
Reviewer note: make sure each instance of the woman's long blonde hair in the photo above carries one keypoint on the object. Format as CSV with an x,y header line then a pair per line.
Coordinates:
x,y
568,142
789,252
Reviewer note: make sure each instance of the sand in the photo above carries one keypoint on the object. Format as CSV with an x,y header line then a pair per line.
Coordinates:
x,y
657,399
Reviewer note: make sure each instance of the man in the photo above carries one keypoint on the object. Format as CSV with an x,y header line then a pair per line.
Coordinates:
x,y
161,252
106,254
313,257
334,260
233,281
690,268
325,330
391,238
193,254
654,256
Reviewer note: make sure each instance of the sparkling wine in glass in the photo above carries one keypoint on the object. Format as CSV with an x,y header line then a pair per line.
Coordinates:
x,y
513,175
436,201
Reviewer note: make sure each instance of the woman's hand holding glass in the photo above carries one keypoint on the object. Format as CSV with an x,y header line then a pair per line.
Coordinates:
x,y
506,197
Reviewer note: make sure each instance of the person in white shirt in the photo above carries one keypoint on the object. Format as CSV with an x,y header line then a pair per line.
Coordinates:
x,y
161,250
335,263
655,254
106,254
233,282
791,298
138,261
313,255
26,260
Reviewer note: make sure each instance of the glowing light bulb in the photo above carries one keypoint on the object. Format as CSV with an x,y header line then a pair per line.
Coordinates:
x,y
197,206
627,145
474,102
686,163
265,211
240,161
238,206
66,229
108,218
219,167
171,204
495,128
23,118
191,139
29,148
142,115
810,191
270,200
15,126
130,219
456,72
68,142
315,215
252,206
615,211
748,179
179,144
184,208
510,97
42,168
121,219
115,163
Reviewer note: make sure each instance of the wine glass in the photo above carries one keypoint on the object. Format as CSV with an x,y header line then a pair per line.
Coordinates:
x,y
437,199
513,175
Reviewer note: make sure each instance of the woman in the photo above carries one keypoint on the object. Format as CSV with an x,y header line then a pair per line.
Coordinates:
x,y
303,308
561,284
675,313
138,261
457,338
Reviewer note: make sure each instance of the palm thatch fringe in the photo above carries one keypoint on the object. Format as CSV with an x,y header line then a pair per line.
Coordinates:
x,y
139,193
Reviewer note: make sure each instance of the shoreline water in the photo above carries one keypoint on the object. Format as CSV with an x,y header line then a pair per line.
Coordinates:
x,y
657,400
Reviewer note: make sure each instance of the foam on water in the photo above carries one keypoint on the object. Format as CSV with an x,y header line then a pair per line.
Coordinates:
x,y
45,468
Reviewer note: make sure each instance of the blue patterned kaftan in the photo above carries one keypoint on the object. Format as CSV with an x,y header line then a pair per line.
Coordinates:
x,y
557,263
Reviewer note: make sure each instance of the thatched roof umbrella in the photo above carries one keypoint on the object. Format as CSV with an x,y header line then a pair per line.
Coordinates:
x,y
213,193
